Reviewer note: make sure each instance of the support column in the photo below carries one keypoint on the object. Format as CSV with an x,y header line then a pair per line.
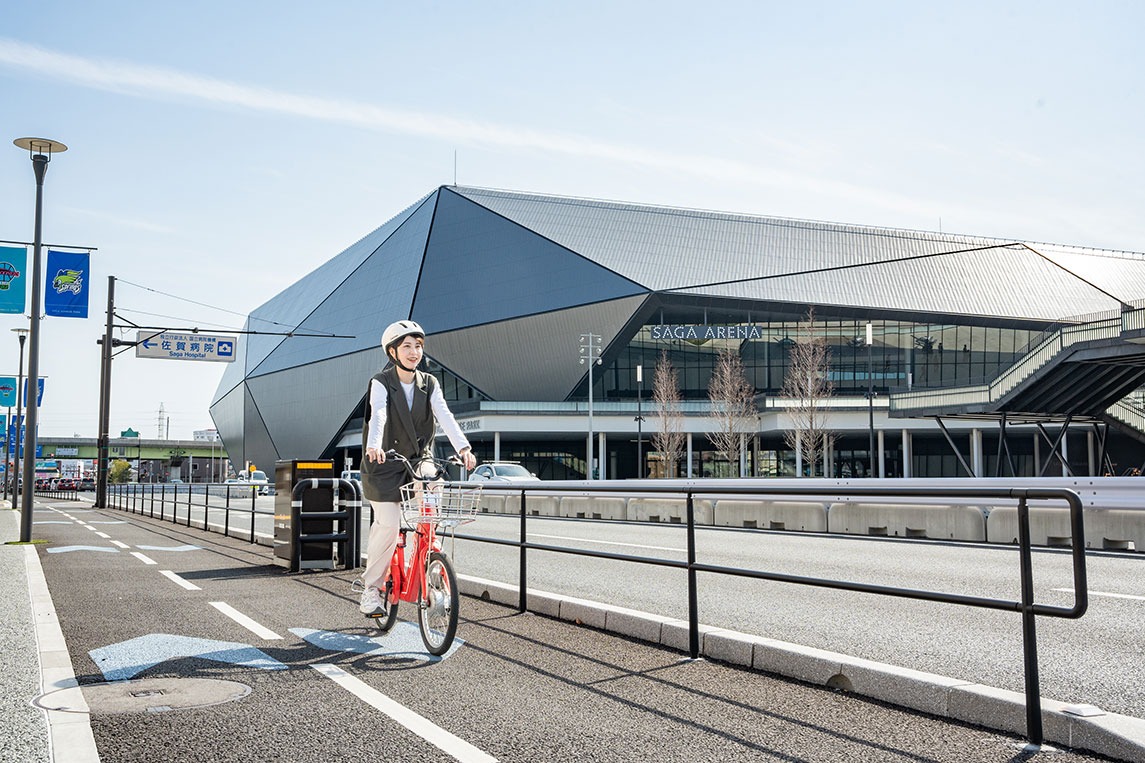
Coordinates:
x,y
688,471
798,458
882,444
1092,455
1037,453
907,456
496,446
602,454
976,452
1066,471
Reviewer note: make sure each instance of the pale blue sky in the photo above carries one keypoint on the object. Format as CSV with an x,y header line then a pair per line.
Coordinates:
x,y
220,150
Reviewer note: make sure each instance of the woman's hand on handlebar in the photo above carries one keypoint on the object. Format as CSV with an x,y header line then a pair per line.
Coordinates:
x,y
467,459
376,455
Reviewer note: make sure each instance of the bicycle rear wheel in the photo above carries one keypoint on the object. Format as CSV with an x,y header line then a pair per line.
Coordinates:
x,y
437,612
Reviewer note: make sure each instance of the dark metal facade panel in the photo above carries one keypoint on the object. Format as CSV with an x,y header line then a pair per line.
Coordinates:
x,y
378,292
305,407
291,306
480,268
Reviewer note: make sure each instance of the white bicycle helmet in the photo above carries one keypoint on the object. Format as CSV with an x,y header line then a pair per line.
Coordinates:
x,y
399,330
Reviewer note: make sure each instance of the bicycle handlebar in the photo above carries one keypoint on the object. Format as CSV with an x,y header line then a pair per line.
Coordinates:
x,y
439,464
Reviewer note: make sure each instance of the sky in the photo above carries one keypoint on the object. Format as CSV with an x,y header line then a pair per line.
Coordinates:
x,y
219,151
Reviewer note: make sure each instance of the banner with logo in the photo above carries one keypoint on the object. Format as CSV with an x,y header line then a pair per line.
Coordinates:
x,y
13,266
65,293
7,392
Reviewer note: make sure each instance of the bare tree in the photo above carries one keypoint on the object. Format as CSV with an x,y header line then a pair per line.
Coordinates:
x,y
733,407
669,438
806,386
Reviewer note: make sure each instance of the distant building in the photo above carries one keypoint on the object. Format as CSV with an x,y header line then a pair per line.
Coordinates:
x,y
968,332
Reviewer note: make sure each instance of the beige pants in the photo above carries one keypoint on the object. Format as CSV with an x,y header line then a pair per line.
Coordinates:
x,y
382,542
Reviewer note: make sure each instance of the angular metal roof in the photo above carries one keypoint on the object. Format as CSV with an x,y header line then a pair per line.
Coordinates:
x,y
780,259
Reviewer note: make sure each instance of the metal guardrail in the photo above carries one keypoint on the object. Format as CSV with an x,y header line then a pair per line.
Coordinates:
x,y
140,498
135,497
1028,608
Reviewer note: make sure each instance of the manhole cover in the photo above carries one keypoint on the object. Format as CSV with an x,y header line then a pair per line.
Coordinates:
x,y
147,695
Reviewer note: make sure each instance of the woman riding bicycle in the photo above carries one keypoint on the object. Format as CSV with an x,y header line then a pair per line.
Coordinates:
x,y
403,408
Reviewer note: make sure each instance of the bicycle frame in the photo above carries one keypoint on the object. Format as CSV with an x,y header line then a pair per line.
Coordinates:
x,y
409,585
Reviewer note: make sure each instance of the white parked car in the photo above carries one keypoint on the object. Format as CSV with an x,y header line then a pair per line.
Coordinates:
x,y
256,479
503,471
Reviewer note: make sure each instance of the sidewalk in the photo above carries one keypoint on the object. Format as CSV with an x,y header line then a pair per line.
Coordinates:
x,y
35,660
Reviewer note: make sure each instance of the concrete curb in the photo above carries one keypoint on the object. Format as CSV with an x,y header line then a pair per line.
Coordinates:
x,y
1117,736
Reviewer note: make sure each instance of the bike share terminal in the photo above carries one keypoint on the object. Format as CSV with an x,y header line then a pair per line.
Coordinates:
x,y
316,517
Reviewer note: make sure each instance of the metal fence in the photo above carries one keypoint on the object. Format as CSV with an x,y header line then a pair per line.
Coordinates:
x,y
142,499
1026,606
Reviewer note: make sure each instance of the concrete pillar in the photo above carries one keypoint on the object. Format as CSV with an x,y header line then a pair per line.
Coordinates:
x,y
976,452
1091,452
602,454
1037,453
688,470
496,446
1065,455
882,446
798,457
906,453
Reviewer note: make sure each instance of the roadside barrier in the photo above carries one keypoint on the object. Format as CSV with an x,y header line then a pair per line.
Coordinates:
x,y
696,499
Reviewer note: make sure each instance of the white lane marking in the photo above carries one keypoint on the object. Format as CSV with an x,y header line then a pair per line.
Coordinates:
x,y
246,622
120,544
606,542
143,558
424,728
180,581
83,524
102,535
1106,594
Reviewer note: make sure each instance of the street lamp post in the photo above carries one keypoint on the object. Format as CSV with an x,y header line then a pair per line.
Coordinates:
x,y
41,150
871,398
22,333
639,421
590,352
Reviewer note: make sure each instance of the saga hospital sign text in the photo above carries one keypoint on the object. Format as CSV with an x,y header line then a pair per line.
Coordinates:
x,y
703,331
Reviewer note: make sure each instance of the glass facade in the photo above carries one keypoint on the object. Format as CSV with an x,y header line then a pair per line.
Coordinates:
x,y
903,355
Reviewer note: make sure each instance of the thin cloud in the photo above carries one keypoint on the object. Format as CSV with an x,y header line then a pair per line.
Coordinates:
x,y
150,81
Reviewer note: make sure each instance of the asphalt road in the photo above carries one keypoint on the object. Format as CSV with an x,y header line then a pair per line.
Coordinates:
x,y
229,657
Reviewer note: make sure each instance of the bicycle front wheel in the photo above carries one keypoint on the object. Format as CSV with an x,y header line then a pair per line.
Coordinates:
x,y
437,609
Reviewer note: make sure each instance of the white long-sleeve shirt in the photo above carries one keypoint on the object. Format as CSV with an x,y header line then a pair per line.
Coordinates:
x,y
379,398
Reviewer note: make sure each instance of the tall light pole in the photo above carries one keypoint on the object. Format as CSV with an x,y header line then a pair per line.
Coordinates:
x,y
590,352
15,439
871,397
41,150
639,421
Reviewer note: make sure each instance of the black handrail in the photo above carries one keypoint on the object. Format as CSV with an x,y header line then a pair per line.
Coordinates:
x,y
130,496
1026,605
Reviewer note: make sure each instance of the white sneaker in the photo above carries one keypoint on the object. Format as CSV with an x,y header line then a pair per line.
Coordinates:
x,y
371,604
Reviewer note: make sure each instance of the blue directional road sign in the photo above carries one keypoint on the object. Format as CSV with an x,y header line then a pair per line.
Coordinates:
x,y
172,346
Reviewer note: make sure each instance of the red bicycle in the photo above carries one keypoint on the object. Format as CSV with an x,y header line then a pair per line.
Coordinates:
x,y
428,505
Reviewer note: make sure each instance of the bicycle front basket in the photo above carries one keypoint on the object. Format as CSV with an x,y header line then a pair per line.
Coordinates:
x,y
439,503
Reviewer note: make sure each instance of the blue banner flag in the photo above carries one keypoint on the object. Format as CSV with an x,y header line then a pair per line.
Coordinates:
x,y
65,294
7,392
13,264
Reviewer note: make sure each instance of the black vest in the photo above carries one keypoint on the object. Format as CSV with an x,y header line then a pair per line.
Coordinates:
x,y
408,431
